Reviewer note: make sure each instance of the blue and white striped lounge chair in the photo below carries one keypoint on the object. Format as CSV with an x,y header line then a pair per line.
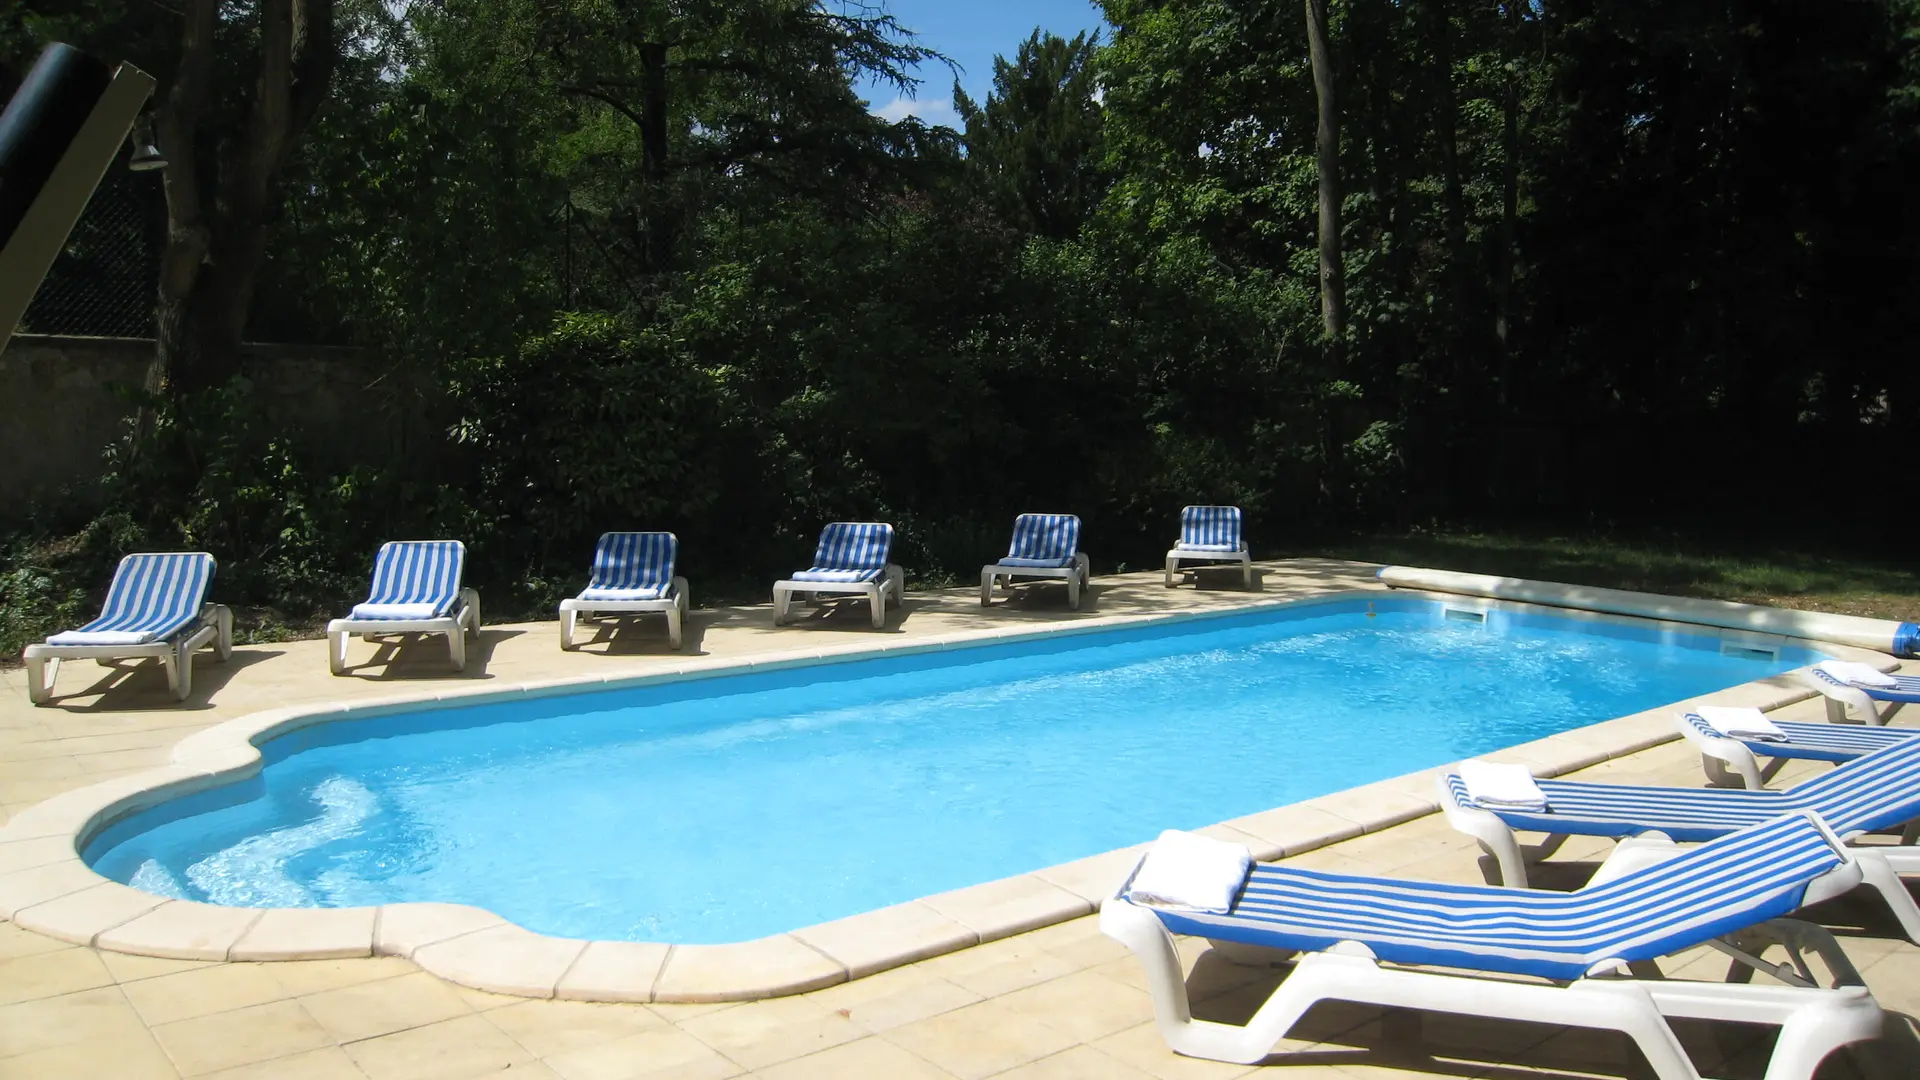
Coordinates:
x,y
1728,895
156,606
416,590
1726,757
1859,703
1872,793
1210,534
632,573
1045,547
851,559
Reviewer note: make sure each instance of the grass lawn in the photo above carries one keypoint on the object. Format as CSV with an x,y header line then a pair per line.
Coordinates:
x,y
1681,566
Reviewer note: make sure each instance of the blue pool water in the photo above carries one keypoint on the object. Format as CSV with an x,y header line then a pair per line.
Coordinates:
x,y
729,808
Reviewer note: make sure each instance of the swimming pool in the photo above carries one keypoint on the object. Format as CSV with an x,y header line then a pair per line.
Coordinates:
x,y
728,808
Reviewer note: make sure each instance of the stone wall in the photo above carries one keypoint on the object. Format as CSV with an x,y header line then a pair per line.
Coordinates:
x,y
63,400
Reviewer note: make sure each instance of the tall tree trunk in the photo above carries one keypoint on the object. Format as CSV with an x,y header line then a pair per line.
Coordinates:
x,y
1505,254
662,227
212,258
1333,285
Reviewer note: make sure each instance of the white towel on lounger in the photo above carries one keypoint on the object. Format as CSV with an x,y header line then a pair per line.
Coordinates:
x,y
396,612
1190,872
1741,723
1852,671
101,637
1502,787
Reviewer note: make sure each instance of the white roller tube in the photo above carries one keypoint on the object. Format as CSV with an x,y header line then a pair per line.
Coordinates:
x,y
1880,635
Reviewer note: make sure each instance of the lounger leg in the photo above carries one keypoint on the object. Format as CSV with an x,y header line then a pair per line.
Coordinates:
x,y
1073,592
457,645
1172,564
1879,874
41,672
878,600
673,625
472,598
1246,572
223,631
174,660
780,598
986,587
567,618
183,673
337,651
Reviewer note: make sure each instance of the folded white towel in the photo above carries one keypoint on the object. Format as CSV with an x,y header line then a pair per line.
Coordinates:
x,y
1190,872
395,611
101,637
1741,723
1852,671
1502,787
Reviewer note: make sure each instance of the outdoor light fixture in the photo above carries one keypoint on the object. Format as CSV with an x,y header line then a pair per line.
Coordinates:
x,y
146,156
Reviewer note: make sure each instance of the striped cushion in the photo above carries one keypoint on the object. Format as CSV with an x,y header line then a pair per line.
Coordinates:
x,y
830,575
421,575
1756,874
1816,742
153,596
852,545
1043,540
1906,688
1210,528
1875,791
632,566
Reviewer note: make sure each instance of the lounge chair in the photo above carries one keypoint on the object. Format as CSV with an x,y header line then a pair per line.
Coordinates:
x,y
1587,944
156,606
1872,793
1728,758
1853,700
1045,547
632,573
1210,534
851,559
416,590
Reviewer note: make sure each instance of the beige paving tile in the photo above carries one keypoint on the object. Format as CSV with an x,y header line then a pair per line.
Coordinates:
x,y
1001,971
130,1056
761,1033
547,1028
302,977
1076,1063
874,1057
1084,1005
375,1008
614,971
461,1047
46,974
326,1063
203,991
979,1040
100,1017
181,930
127,967
649,1055
763,968
15,942
1141,1047
225,1040
896,997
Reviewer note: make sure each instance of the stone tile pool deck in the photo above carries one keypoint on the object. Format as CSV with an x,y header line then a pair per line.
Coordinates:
x,y
1061,1001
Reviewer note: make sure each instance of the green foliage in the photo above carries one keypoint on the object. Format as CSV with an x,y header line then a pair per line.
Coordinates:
x,y
1037,140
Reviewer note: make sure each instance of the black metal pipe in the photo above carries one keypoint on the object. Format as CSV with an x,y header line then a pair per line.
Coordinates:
x,y
40,122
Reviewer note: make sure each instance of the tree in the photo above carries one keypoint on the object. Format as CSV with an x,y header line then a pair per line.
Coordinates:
x,y
1326,142
221,184
1038,139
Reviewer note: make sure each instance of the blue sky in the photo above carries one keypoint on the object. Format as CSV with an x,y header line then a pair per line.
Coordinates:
x,y
972,32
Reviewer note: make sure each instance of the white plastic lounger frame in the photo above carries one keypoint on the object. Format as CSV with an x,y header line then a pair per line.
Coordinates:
x,y
1731,762
851,559
1854,703
156,607
1872,793
632,574
1210,534
1045,547
1347,962
416,590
